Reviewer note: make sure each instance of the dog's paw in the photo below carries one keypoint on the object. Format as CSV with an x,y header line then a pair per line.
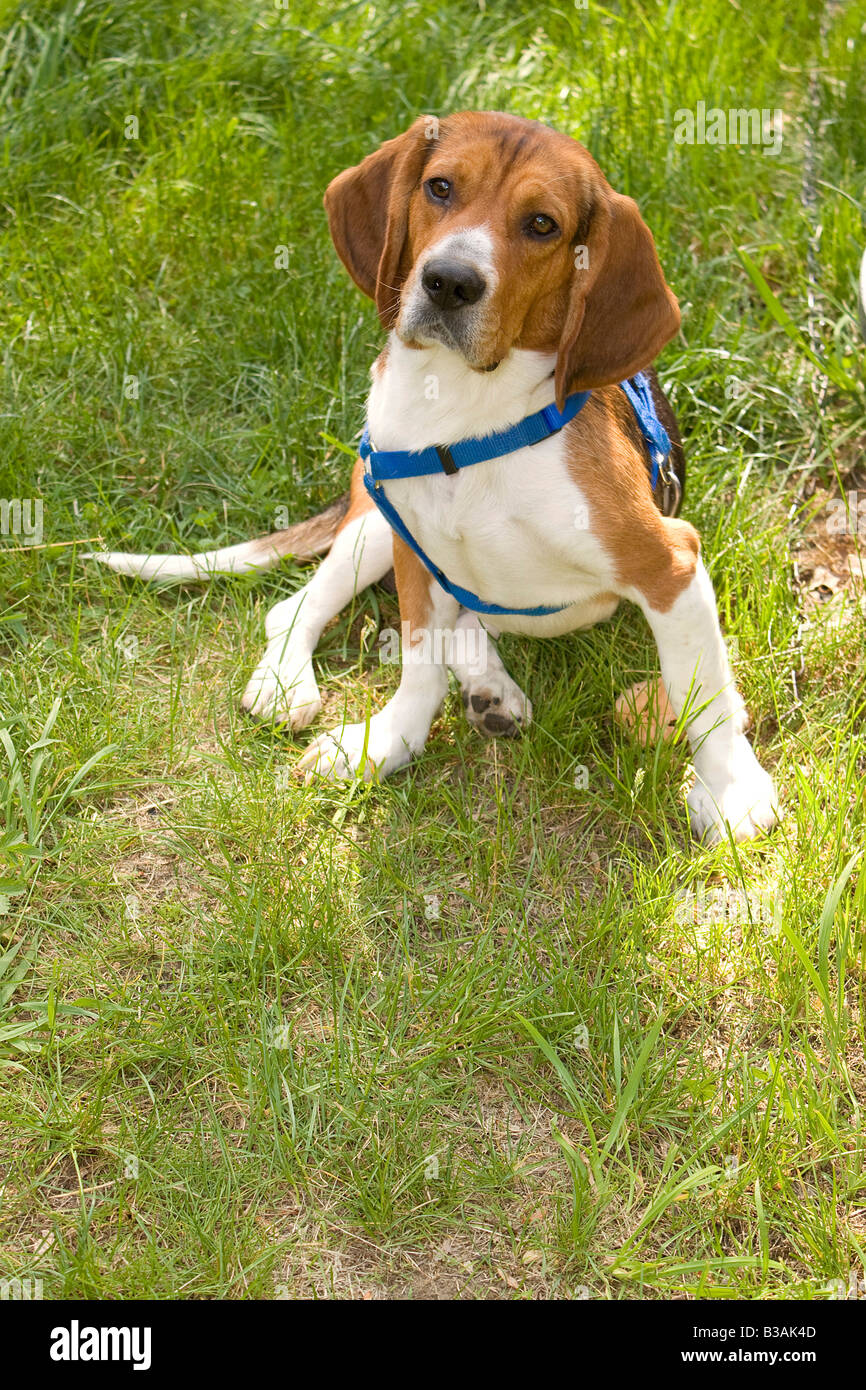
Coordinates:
x,y
495,705
340,756
741,796
285,692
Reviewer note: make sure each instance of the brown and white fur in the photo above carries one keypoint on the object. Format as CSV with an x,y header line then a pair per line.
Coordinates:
x,y
522,320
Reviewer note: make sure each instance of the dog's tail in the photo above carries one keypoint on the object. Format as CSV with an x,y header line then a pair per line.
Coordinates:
x,y
302,541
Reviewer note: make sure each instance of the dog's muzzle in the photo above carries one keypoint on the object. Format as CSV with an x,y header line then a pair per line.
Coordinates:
x,y
447,305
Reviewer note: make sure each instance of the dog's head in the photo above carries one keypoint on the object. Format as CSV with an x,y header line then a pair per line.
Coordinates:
x,y
487,232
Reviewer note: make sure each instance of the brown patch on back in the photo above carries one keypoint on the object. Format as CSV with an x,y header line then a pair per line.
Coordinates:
x,y
654,554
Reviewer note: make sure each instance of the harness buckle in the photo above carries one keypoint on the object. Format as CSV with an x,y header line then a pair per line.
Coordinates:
x,y
446,458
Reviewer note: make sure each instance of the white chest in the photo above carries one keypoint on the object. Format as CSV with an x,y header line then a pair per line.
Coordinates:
x,y
516,531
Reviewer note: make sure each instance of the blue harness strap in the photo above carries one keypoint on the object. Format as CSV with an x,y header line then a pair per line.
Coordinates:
x,y
639,395
387,466
450,458
464,597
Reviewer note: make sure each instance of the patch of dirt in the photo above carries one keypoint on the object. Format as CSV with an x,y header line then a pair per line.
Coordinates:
x,y
830,557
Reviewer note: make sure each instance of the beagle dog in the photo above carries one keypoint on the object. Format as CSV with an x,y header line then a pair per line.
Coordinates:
x,y
514,285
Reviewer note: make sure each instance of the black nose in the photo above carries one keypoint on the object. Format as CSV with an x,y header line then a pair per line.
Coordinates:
x,y
451,284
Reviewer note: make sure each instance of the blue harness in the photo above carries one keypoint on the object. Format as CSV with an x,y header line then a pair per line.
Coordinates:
x,y
386,466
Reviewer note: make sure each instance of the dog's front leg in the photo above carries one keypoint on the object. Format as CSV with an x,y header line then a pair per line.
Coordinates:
x,y
283,686
399,731
730,785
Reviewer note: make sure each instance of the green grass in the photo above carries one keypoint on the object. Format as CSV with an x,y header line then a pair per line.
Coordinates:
x,y
235,1029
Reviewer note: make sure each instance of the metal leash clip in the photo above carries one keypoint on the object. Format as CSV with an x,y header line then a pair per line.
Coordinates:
x,y
671,488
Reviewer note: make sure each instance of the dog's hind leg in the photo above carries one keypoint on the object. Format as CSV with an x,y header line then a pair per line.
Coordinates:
x,y
495,705
283,686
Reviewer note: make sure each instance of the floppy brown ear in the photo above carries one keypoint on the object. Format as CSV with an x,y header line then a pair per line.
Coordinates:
x,y
368,213
621,312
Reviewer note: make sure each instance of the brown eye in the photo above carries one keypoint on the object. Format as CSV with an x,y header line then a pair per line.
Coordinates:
x,y
439,189
541,225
